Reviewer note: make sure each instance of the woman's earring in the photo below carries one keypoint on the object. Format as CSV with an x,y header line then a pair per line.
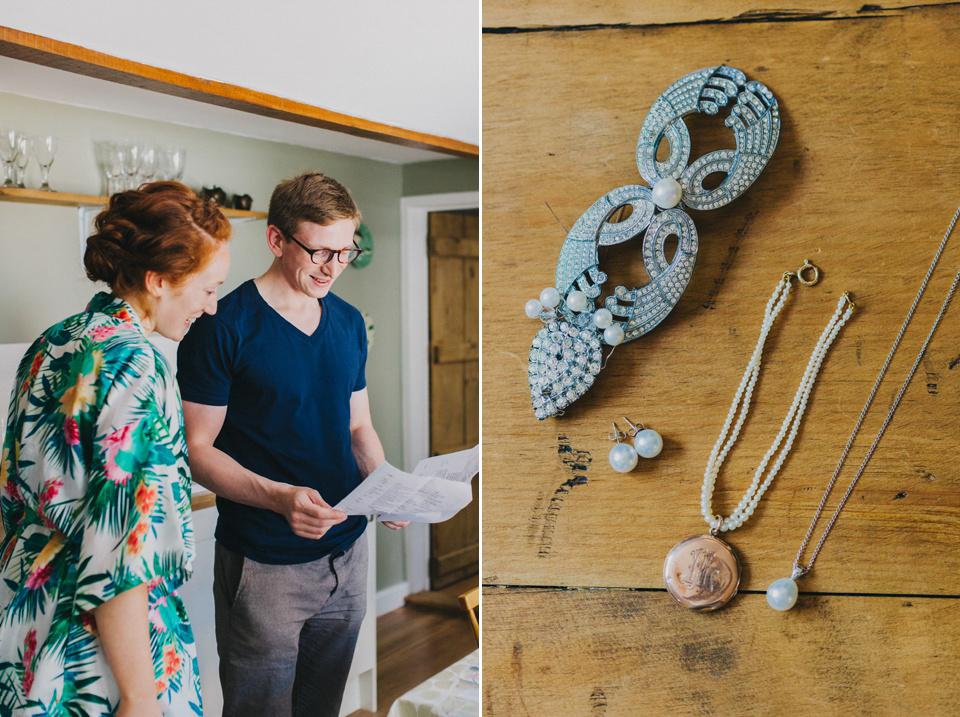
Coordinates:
x,y
646,441
623,457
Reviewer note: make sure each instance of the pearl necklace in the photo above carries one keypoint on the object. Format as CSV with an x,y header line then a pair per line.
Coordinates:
x,y
791,422
703,572
782,593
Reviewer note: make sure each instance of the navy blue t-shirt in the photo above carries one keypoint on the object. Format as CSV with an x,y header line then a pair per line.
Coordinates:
x,y
288,412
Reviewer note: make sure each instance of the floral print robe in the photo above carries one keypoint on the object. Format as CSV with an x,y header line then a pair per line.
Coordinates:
x,y
95,499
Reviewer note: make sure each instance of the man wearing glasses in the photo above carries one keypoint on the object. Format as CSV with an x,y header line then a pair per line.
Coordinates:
x,y
278,426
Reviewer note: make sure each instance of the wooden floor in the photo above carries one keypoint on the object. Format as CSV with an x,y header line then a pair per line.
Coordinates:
x,y
414,643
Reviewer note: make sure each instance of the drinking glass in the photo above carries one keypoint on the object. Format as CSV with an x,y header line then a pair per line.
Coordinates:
x,y
9,148
45,149
113,168
171,163
20,162
148,163
130,156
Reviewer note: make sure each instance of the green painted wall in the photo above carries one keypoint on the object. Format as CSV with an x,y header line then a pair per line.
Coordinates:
x,y
41,274
441,176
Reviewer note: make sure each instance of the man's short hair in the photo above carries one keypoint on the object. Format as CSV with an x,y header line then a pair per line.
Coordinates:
x,y
311,197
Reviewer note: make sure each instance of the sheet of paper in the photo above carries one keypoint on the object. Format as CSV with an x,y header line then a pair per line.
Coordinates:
x,y
437,490
460,466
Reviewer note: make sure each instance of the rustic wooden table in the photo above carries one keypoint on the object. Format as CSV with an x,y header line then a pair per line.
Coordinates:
x,y
863,183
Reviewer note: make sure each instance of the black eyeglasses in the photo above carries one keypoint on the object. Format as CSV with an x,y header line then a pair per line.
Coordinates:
x,y
323,256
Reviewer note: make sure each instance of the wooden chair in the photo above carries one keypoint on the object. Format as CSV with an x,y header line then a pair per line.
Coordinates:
x,y
470,601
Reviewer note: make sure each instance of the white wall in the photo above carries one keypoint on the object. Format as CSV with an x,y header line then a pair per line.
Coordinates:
x,y
412,64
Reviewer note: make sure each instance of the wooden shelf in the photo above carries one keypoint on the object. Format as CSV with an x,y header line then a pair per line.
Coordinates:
x,y
66,199
203,500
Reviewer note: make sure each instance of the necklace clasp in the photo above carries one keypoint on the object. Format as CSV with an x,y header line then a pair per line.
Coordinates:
x,y
807,266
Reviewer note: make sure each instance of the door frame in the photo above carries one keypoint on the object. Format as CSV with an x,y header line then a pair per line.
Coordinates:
x,y
415,347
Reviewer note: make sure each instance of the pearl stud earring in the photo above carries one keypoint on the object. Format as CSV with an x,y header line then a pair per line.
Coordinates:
x,y
646,441
623,457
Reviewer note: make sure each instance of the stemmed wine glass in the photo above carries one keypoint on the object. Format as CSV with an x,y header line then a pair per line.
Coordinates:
x,y
113,168
131,157
45,149
172,160
148,162
110,159
9,148
20,162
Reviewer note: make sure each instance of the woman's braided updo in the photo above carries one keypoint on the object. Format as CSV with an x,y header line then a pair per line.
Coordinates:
x,y
161,227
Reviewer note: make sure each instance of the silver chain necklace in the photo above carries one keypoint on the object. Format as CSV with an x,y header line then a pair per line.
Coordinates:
x,y
782,593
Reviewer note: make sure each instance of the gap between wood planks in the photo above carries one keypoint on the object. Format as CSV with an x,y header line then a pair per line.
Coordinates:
x,y
565,588
866,11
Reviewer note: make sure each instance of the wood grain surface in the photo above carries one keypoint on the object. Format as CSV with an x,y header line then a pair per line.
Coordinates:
x,y
628,653
863,183
506,16
69,199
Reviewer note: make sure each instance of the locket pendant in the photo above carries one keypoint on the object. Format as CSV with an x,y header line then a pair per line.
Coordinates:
x,y
702,572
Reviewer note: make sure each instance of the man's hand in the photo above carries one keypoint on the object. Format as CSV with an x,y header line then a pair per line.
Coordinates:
x,y
308,514
395,524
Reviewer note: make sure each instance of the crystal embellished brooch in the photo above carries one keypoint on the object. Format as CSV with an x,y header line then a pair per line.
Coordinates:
x,y
566,354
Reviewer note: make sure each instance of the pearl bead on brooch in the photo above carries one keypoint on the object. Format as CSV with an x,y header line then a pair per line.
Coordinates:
x,y
613,335
533,308
550,297
667,193
602,318
782,594
577,301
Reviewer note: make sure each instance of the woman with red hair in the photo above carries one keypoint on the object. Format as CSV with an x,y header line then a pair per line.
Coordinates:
x,y
94,485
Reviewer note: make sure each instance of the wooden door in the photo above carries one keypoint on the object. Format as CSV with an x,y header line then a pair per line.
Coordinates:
x,y
454,241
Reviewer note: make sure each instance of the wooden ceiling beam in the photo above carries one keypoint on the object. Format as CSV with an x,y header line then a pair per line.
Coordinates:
x,y
79,60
